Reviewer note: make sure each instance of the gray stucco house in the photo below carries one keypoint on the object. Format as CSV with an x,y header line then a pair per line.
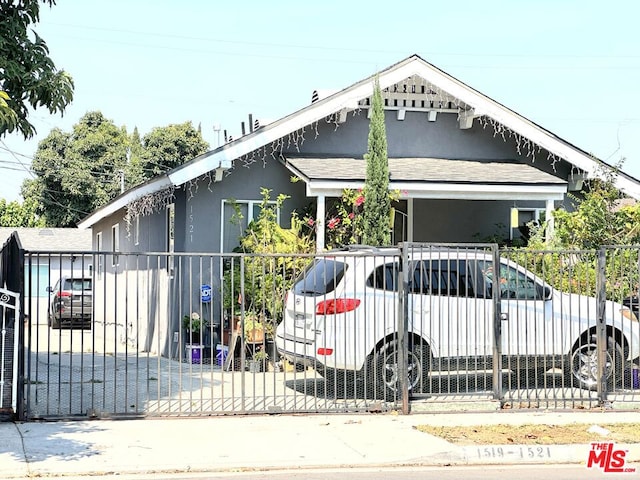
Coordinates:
x,y
462,163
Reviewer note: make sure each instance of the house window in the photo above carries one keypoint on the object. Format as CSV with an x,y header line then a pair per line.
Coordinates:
x,y
38,281
115,244
236,215
100,255
136,231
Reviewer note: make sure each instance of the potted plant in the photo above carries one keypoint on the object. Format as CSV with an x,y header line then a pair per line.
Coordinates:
x,y
253,328
258,362
193,325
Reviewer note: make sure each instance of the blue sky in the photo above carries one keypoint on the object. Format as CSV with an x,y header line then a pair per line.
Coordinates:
x,y
571,66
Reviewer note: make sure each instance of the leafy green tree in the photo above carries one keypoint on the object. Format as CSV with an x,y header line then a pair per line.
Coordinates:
x,y
28,77
14,214
134,173
77,172
8,118
168,147
597,220
80,171
377,204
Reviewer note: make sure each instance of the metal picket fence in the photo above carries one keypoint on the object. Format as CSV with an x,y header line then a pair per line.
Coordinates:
x,y
361,329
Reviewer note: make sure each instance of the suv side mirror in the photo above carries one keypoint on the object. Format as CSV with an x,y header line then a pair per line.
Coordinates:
x,y
49,289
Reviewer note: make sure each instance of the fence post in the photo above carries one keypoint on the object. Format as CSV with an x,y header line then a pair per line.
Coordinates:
x,y
601,325
497,326
403,322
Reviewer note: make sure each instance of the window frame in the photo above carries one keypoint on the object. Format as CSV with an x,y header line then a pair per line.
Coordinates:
x,y
251,205
115,244
99,247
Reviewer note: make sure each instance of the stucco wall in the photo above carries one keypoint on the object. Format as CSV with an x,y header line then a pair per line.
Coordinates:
x,y
416,137
200,219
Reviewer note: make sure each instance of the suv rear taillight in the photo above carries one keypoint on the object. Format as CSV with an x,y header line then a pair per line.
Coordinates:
x,y
64,294
337,305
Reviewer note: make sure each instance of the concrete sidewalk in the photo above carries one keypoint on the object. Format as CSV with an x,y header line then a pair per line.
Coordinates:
x,y
274,442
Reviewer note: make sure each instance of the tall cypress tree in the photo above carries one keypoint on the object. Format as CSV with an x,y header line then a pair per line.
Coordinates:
x,y
377,204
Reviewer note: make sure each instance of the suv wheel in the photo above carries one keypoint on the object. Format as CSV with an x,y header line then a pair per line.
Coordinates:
x,y
54,322
583,364
385,368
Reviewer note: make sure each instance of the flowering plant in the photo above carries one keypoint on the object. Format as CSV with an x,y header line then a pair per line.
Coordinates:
x,y
193,323
344,218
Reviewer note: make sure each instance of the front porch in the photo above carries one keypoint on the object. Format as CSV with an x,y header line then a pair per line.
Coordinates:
x,y
446,200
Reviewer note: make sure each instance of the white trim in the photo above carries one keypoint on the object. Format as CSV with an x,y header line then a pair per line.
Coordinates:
x,y
410,220
217,159
447,190
99,246
155,185
115,244
136,230
319,222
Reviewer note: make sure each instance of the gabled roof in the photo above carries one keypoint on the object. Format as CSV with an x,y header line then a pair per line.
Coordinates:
x,y
49,239
432,178
475,104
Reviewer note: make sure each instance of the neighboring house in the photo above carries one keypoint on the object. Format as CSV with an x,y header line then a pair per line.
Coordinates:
x,y
44,267
462,163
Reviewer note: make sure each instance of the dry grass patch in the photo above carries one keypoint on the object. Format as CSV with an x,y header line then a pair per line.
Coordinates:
x,y
534,434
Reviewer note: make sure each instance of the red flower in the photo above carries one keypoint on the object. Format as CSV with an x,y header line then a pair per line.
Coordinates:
x,y
351,215
310,222
333,223
359,201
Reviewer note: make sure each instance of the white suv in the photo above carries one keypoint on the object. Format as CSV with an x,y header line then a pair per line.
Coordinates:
x,y
341,316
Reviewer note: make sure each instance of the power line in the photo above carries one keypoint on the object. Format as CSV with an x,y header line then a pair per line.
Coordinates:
x,y
93,172
53,200
327,48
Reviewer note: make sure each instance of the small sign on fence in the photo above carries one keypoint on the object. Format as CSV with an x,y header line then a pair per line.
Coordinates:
x,y
205,293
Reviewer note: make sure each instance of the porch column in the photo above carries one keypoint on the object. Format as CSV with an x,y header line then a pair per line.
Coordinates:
x,y
549,218
320,214
409,219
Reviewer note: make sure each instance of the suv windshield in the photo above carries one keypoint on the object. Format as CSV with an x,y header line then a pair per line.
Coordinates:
x,y
320,278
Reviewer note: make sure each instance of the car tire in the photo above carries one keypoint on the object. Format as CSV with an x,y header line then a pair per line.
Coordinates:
x,y
384,367
582,367
54,322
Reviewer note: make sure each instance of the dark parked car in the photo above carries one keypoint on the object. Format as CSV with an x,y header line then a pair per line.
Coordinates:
x,y
71,302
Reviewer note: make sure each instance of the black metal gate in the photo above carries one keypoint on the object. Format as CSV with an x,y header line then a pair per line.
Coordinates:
x,y
425,325
11,354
